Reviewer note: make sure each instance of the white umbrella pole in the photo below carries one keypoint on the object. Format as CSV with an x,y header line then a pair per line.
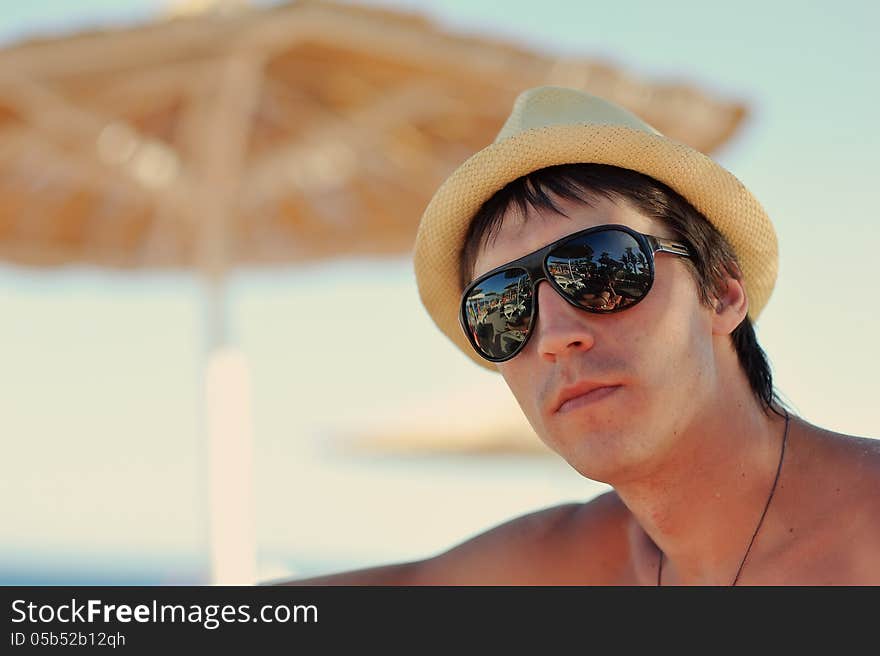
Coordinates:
x,y
218,126
229,449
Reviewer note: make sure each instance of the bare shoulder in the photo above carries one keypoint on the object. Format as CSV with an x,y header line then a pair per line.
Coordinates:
x,y
839,485
565,544
860,472
852,463
573,543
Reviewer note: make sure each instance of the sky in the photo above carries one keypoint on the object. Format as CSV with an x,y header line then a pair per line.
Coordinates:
x,y
100,392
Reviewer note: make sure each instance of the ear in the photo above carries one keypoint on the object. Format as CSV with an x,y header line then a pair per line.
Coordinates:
x,y
731,307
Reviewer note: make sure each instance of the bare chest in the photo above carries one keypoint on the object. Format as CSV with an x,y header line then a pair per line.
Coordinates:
x,y
842,551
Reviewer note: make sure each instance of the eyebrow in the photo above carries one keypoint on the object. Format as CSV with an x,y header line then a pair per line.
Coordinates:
x,y
492,235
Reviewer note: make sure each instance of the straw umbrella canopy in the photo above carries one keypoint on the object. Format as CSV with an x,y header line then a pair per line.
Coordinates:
x,y
260,137
254,137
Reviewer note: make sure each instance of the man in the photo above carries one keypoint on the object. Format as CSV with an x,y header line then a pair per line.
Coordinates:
x,y
640,265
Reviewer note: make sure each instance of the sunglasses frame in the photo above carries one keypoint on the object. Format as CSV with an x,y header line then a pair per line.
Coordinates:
x,y
535,266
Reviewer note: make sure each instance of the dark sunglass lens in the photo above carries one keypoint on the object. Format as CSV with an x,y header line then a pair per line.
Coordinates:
x,y
498,312
601,271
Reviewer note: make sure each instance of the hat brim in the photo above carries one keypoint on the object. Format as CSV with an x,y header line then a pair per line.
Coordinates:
x,y
709,187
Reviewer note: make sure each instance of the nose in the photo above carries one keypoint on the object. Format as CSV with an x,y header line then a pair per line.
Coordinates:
x,y
561,329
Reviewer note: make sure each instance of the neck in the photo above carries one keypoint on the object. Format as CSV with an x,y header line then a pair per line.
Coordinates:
x,y
701,502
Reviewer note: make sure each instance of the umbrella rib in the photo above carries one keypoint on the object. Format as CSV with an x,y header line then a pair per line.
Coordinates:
x,y
63,122
219,127
271,174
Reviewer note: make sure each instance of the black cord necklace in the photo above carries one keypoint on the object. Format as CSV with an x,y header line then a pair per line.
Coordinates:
x,y
760,521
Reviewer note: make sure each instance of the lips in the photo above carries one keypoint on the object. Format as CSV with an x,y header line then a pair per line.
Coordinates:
x,y
582,394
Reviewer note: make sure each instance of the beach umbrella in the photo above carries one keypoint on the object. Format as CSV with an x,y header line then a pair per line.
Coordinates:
x,y
444,426
243,136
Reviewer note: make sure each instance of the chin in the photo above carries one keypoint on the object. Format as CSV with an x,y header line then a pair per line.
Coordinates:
x,y
600,455
602,447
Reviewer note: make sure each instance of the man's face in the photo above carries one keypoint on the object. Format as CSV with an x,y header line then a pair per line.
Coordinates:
x,y
652,362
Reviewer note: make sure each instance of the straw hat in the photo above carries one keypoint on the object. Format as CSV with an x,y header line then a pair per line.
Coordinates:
x,y
553,125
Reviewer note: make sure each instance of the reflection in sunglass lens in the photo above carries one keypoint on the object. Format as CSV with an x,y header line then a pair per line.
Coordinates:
x,y
498,312
601,271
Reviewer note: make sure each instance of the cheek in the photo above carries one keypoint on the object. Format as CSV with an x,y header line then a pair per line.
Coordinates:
x,y
680,359
668,336
524,386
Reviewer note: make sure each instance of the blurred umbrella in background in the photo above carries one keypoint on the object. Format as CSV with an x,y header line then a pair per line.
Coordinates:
x,y
449,426
241,136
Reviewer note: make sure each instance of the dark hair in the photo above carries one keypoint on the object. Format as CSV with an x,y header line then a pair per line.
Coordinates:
x,y
712,258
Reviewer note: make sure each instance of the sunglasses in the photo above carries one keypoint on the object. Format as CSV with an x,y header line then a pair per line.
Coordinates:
x,y
604,269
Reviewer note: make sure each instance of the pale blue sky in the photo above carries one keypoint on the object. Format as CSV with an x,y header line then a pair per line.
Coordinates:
x,y
100,386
